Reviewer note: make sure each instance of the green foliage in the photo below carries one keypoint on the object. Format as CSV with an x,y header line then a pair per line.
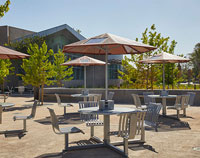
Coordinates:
x,y
195,61
141,75
4,8
62,72
24,44
38,68
5,69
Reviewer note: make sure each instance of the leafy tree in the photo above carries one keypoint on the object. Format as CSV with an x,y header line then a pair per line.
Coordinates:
x,y
38,68
195,60
5,69
149,72
4,8
62,72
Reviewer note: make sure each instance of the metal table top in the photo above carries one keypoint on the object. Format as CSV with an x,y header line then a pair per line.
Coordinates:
x,y
7,104
116,110
159,96
81,95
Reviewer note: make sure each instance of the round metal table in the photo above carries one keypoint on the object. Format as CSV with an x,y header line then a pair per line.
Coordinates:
x,y
164,98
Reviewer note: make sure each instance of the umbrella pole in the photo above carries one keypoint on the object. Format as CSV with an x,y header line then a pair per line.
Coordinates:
x,y
163,76
84,77
106,75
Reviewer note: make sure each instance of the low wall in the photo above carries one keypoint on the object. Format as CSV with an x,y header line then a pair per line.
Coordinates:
x,y
122,96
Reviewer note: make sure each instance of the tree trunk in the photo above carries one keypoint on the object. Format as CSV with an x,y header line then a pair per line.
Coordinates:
x,y
42,94
152,73
36,93
147,83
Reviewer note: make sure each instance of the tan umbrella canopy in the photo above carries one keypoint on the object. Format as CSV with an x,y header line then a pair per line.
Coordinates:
x,y
6,53
163,58
84,61
107,44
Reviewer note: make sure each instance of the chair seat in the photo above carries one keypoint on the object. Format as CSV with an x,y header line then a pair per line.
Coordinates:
x,y
65,105
148,123
143,107
20,118
67,130
94,123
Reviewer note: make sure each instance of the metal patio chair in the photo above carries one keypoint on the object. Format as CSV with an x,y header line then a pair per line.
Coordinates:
x,y
24,118
147,99
130,125
137,102
152,114
62,104
110,95
66,130
191,98
181,103
91,120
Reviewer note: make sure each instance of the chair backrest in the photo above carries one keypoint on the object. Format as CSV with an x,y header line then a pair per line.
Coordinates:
x,y
1,110
87,104
97,98
131,124
110,95
33,111
147,99
58,99
136,100
192,96
54,120
184,101
152,113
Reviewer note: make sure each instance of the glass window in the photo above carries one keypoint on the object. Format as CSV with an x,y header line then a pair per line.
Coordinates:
x,y
113,71
95,40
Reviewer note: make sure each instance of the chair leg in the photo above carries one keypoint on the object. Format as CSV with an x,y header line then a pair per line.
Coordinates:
x,y
64,110
184,112
66,141
126,146
24,123
91,131
143,135
178,114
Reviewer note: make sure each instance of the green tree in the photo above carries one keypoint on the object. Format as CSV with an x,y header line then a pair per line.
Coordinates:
x,y
149,73
5,69
195,61
62,72
38,68
4,8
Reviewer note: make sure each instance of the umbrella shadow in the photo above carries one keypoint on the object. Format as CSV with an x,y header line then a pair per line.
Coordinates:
x,y
69,118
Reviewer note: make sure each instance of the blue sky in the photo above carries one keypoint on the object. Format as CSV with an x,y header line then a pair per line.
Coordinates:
x,y
178,19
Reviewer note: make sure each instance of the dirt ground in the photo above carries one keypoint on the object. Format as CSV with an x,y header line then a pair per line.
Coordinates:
x,y
174,138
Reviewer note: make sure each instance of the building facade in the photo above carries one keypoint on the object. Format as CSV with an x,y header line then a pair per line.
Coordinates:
x,y
55,39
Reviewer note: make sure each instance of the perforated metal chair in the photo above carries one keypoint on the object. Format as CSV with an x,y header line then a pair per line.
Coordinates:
x,y
191,98
91,120
66,131
31,116
62,104
152,114
137,102
110,95
130,125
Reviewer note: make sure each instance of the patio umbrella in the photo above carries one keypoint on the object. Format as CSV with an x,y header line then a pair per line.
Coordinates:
x,y
163,58
6,53
84,61
107,44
